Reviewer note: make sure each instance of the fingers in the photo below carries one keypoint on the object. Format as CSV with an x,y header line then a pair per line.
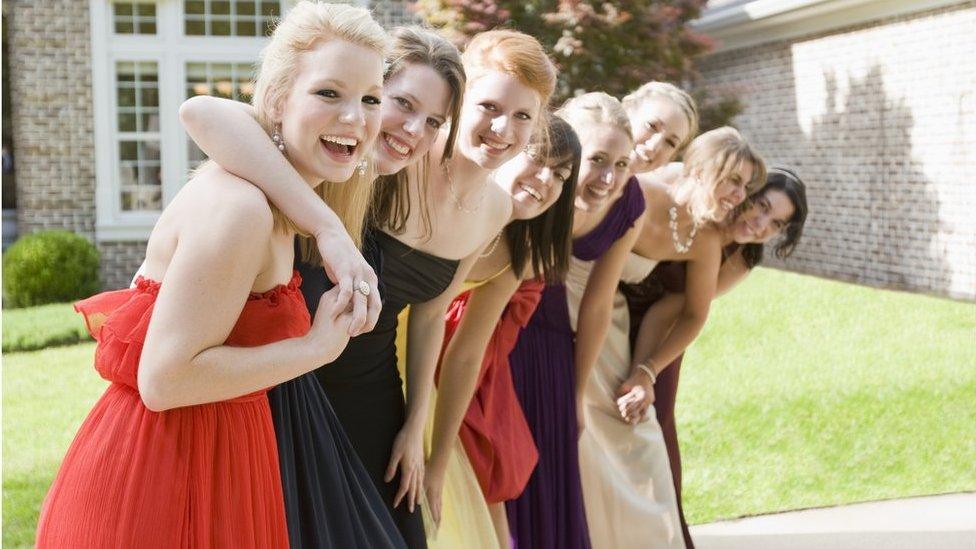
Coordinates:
x,y
406,484
344,296
358,314
373,307
391,469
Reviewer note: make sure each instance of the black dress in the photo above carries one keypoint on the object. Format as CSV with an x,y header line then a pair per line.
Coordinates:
x,y
364,384
330,500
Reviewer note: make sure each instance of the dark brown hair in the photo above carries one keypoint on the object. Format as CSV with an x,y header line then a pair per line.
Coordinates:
x,y
787,182
546,239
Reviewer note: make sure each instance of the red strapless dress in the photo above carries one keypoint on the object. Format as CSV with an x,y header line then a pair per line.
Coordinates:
x,y
494,433
198,476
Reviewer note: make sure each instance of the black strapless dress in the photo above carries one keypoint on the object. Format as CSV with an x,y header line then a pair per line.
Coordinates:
x,y
330,500
364,385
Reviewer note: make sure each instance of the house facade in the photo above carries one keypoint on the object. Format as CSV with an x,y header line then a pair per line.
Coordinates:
x,y
872,101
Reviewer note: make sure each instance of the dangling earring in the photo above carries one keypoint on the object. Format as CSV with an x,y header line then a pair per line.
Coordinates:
x,y
362,168
276,137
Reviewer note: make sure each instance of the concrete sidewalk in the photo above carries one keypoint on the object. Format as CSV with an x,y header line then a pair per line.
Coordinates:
x,y
943,522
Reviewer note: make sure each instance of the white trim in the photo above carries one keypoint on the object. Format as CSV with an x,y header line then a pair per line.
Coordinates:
x,y
762,21
171,50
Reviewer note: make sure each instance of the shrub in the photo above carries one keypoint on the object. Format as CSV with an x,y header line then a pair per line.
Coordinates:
x,y
49,267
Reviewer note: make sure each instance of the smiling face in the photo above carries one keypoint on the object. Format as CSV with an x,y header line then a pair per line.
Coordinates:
x,y
765,219
497,120
331,116
660,126
605,166
533,183
415,105
731,191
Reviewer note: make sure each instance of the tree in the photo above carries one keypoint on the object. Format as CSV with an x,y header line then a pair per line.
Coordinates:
x,y
611,46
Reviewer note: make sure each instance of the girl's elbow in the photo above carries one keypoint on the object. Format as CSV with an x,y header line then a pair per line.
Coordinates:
x,y
155,391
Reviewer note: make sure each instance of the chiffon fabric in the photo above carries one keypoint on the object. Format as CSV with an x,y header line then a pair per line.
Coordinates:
x,y
494,432
197,476
667,277
330,500
550,513
364,384
625,470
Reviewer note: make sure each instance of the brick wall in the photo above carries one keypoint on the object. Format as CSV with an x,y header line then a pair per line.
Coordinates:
x,y
120,261
880,120
50,84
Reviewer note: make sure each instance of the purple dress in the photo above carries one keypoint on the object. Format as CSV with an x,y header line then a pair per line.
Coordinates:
x,y
549,513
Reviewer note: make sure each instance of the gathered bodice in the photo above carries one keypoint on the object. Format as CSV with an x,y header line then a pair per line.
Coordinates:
x,y
119,321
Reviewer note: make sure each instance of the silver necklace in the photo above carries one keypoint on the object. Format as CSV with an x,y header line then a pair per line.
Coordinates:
x,y
457,201
680,247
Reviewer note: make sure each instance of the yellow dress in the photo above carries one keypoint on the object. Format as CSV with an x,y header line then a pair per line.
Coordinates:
x,y
465,520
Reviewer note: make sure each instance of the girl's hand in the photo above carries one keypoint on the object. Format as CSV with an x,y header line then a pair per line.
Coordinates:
x,y
346,267
408,456
634,396
434,490
330,328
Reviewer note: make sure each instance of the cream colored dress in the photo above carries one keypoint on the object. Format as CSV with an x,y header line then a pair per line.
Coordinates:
x,y
627,489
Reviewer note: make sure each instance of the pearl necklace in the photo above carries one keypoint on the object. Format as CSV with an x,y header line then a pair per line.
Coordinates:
x,y
681,248
457,201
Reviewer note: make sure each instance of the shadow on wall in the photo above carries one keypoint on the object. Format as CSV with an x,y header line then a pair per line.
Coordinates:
x,y
876,209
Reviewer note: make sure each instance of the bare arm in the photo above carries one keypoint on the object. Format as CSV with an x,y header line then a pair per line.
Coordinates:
x,y
229,134
701,281
425,335
596,307
460,368
204,289
732,272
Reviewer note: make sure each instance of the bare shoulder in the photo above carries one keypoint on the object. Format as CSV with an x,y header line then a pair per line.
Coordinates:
x,y
221,203
708,242
663,177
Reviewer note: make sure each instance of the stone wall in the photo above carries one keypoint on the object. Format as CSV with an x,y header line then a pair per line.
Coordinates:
x,y
880,121
120,261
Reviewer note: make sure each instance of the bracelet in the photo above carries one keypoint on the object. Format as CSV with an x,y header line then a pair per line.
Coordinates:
x,y
649,371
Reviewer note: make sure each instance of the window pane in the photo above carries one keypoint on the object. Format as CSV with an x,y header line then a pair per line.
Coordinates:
x,y
123,8
128,150
127,96
146,9
147,28
149,97
244,7
245,28
220,7
134,17
127,122
195,7
195,28
220,27
270,8
124,26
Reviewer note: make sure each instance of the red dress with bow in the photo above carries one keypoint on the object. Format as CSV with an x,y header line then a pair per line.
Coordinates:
x,y
494,433
197,476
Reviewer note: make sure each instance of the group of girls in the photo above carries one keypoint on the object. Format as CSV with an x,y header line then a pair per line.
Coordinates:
x,y
260,394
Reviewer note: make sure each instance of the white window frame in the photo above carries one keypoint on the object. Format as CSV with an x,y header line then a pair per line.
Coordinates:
x,y
171,50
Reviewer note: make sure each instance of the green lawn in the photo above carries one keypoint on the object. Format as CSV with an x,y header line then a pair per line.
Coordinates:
x,y
800,392
35,328
46,395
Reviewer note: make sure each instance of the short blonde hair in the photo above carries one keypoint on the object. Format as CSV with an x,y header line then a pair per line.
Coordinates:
x,y
654,90
307,25
714,156
595,108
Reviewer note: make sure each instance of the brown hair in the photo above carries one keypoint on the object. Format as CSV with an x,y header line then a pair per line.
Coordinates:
x,y
411,45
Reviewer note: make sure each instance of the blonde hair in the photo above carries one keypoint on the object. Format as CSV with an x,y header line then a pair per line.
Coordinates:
x,y
713,157
306,26
519,55
654,90
593,109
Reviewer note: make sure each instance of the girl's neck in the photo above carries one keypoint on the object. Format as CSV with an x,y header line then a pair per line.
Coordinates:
x,y
467,175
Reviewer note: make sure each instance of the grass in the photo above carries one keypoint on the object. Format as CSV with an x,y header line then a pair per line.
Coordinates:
x,y
46,395
803,392
35,328
800,392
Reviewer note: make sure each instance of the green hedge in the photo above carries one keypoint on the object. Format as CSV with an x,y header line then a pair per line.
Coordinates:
x,y
39,327
49,267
